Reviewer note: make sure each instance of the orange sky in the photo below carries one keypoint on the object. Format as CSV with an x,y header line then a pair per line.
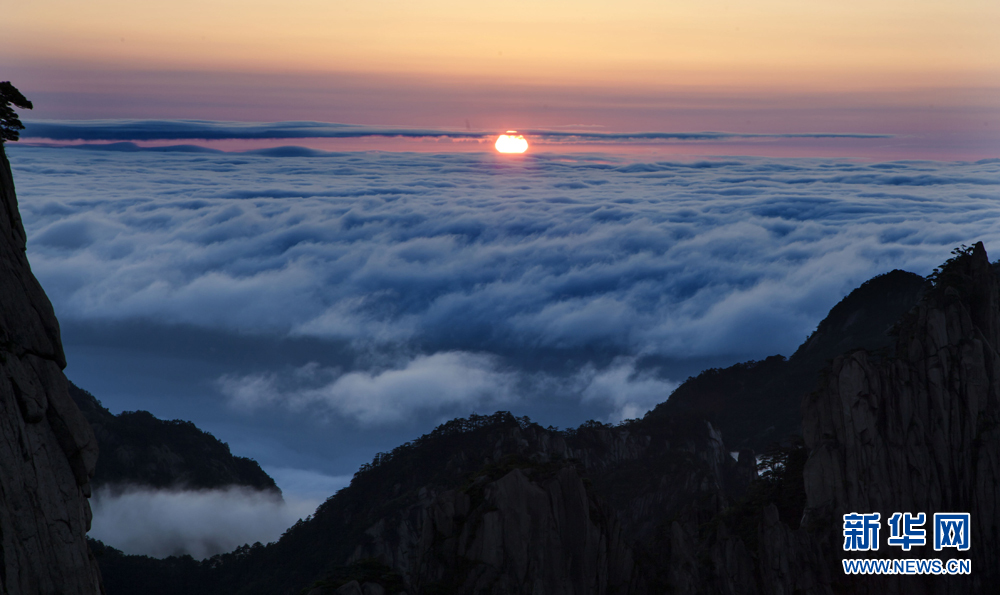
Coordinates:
x,y
755,66
788,43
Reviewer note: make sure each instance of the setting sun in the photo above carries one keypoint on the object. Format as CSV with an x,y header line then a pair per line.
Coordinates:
x,y
511,142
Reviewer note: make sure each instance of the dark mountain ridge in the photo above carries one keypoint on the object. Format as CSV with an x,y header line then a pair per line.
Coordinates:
x,y
756,403
138,449
917,430
497,504
454,511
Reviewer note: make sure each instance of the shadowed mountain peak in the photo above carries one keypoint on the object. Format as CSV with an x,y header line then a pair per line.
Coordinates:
x,y
756,403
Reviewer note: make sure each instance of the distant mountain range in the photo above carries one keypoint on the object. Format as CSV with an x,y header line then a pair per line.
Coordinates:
x,y
895,395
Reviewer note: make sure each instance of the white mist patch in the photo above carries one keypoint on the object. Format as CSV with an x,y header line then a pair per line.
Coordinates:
x,y
201,523
629,391
425,383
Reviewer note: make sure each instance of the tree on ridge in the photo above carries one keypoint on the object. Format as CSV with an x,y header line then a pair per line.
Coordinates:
x,y
10,124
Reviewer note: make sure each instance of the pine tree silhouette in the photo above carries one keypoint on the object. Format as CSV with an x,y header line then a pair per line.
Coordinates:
x,y
10,124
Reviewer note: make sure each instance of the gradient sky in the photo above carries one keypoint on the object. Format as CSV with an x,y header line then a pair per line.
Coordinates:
x,y
928,72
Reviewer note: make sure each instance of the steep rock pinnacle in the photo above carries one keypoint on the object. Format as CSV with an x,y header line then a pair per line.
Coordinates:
x,y
47,449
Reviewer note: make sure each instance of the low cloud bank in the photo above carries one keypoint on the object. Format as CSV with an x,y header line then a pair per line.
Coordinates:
x,y
451,383
425,383
630,392
163,523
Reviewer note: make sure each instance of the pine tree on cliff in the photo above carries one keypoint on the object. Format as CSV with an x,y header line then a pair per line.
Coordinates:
x,y
10,124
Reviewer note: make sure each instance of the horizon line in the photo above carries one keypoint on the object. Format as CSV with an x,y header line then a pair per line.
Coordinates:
x,y
192,129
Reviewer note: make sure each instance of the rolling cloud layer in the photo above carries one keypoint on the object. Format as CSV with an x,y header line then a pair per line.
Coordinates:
x,y
474,252
311,308
444,274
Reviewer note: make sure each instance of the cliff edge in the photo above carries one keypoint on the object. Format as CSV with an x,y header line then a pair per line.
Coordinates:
x,y
47,449
918,431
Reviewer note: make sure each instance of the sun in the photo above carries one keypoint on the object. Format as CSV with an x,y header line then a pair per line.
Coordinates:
x,y
511,142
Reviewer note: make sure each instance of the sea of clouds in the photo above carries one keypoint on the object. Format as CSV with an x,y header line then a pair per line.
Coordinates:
x,y
460,282
444,273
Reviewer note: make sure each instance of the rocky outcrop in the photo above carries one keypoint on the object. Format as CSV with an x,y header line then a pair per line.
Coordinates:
x,y
521,533
47,449
917,432
501,505
912,426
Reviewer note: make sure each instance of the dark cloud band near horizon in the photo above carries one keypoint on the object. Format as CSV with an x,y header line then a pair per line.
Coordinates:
x,y
166,130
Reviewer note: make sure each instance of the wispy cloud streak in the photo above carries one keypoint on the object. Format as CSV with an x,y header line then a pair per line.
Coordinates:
x,y
159,130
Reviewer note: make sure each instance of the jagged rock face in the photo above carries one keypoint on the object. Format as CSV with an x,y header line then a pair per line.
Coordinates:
x,y
861,320
515,535
543,532
522,509
47,449
913,428
755,404
918,432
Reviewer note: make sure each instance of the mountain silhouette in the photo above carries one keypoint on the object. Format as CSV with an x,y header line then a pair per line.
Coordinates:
x,y
138,449
756,403
906,417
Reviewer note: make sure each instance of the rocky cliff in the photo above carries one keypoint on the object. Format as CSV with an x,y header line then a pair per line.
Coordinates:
x,y
488,504
47,449
549,512
756,403
918,431
912,427
524,531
